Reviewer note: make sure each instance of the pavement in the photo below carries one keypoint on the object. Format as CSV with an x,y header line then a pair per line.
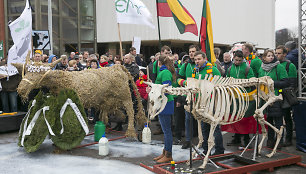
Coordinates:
x,y
125,156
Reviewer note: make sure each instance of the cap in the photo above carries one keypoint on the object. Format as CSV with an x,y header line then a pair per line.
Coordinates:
x,y
290,45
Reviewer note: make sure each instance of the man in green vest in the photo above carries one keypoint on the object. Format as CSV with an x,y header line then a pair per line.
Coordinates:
x,y
251,58
185,72
204,67
281,53
240,70
199,65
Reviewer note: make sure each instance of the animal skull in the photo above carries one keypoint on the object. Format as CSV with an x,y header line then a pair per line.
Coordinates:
x,y
157,99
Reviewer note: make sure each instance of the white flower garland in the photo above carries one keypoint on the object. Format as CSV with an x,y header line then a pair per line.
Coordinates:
x,y
32,68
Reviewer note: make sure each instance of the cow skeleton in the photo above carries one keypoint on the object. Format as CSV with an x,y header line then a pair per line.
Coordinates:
x,y
213,98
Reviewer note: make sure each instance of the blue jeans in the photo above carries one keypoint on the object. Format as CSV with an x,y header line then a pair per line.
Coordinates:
x,y
165,122
188,118
218,137
9,101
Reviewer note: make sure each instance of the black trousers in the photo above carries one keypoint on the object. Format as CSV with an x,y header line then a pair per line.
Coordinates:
x,y
277,122
289,124
179,120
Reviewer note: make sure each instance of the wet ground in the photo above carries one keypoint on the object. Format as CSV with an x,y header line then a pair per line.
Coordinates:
x,y
125,156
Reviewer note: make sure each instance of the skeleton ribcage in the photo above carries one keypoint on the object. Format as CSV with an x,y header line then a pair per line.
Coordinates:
x,y
219,101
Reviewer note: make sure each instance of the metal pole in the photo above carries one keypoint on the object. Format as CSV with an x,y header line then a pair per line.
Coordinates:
x,y
79,26
190,132
300,50
6,41
50,26
95,27
200,36
159,38
257,125
120,42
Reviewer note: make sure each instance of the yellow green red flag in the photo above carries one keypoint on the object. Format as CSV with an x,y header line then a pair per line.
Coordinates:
x,y
182,18
207,43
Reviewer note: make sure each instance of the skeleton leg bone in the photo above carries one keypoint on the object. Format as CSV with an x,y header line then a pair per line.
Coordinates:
x,y
279,136
264,133
211,143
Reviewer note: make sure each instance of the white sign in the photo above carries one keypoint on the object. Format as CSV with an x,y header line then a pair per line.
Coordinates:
x,y
136,44
41,40
133,12
21,32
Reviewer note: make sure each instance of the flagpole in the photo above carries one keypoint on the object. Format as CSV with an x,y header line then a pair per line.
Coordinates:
x,y
120,42
160,45
50,26
201,25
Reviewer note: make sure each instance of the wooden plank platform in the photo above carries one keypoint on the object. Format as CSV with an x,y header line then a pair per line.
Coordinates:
x,y
232,163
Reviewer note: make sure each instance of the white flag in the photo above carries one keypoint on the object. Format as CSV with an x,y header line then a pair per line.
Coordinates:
x,y
133,12
21,32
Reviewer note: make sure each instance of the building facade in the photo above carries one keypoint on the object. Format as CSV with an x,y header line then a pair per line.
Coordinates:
x,y
233,21
73,22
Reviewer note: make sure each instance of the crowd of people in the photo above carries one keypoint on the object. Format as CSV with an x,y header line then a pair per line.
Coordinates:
x,y
170,68
244,64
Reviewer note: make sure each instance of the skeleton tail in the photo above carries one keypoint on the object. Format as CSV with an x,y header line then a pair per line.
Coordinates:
x,y
138,110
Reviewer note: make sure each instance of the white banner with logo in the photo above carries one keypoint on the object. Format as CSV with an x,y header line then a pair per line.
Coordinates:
x,y
21,32
133,12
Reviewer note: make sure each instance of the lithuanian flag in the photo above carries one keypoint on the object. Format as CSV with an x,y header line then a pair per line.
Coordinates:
x,y
207,43
183,19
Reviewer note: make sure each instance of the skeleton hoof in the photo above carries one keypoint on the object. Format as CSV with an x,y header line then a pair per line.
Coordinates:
x,y
270,155
202,167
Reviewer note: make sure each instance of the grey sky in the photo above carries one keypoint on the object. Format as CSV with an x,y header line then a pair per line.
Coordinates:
x,y
286,14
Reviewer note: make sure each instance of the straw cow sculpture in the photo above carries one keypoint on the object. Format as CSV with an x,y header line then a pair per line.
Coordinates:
x,y
221,101
106,89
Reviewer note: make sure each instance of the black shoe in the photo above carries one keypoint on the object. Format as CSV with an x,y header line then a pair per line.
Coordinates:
x,y
158,132
234,142
270,144
186,145
280,145
177,141
287,143
246,141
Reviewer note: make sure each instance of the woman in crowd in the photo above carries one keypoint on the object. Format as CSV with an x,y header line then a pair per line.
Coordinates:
x,y
166,76
104,61
271,67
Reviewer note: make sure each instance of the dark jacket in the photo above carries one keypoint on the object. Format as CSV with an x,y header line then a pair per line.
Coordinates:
x,y
293,56
151,75
60,66
80,66
11,84
226,66
138,60
133,69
